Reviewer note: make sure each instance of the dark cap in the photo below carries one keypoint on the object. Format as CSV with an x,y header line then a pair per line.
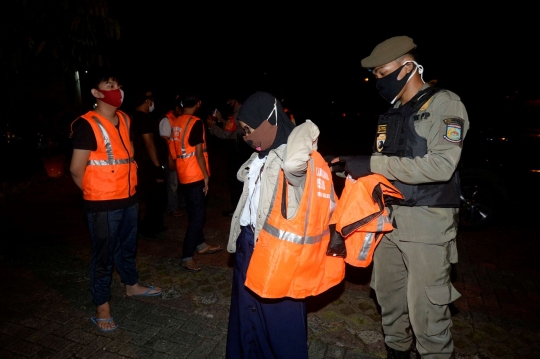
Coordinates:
x,y
388,50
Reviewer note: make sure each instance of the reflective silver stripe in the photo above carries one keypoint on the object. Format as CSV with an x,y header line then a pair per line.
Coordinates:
x,y
368,241
311,190
108,146
125,118
381,221
106,139
333,203
108,162
293,237
183,148
188,155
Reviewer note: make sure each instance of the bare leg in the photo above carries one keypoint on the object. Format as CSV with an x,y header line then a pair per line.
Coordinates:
x,y
104,312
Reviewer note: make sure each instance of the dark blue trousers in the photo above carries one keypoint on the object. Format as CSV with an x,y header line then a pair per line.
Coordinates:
x,y
114,244
196,212
261,328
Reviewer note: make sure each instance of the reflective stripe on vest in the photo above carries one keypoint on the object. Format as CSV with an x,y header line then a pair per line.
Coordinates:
x,y
108,147
289,258
187,165
111,171
182,144
362,218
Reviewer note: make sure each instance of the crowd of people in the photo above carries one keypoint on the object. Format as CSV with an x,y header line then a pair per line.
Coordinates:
x,y
291,234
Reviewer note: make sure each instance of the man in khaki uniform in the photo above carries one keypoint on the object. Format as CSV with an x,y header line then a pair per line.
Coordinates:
x,y
417,146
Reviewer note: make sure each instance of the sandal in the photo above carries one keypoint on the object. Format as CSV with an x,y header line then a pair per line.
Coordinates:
x,y
210,249
190,266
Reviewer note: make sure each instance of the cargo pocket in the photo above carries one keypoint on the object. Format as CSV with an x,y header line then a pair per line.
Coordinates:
x,y
438,316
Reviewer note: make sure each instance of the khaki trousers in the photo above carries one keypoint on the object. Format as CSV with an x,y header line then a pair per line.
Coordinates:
x,y
412,284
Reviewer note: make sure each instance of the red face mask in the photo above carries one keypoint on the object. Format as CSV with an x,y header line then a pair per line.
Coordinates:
x,y
112,97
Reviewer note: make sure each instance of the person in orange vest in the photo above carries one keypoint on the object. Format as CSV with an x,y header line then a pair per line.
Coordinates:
x,y
279,234
103,167
175,199
190,152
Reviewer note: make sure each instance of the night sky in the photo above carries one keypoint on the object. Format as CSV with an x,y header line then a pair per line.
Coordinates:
x,y
311,56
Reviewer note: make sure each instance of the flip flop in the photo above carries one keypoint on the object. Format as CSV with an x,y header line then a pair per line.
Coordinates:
x,y
95,320
190,266
147,293
211,249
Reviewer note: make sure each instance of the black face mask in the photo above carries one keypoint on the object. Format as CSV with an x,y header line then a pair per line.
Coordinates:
x,y
389,86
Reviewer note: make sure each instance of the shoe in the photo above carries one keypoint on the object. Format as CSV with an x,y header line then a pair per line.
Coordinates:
x,y
190,266
95,320
210,249
147,293
228,213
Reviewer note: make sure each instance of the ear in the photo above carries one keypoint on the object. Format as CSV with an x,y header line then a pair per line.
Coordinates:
x,y
96,93
409,66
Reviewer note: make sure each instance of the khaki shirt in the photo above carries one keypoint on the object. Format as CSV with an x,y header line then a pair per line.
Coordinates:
x,y
426,224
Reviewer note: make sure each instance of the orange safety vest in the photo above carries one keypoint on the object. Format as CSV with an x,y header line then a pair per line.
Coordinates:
x,y
111,171
187,165
170,140
230,125
289,259
361,216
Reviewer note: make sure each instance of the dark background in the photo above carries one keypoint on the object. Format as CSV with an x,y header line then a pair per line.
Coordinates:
x,y
309,55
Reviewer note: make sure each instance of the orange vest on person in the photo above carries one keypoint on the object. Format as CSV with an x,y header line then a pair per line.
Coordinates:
x,y
361,216
187,165
230,125
111,171
170,140
289,259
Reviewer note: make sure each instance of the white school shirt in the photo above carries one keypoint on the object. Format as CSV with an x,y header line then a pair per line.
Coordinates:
x,y
249,213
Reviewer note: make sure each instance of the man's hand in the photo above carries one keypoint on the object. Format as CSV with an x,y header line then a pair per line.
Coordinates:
x,y
210,121
220,117
356,166
205,189
159,174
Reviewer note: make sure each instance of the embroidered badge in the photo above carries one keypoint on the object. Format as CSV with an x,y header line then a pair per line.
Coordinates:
x,y
381,137
453,131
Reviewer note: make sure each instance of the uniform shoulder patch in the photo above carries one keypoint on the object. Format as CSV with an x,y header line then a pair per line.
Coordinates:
x,y
454,130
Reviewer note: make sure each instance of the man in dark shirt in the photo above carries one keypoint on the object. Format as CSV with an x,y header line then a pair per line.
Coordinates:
x,y
151,170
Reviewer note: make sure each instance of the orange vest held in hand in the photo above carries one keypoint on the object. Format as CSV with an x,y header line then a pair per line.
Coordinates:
x,y
111,171
187,166
289,259
362,218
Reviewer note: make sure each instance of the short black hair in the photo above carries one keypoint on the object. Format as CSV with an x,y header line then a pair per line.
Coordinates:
x,y
104,75
142,95
188,100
